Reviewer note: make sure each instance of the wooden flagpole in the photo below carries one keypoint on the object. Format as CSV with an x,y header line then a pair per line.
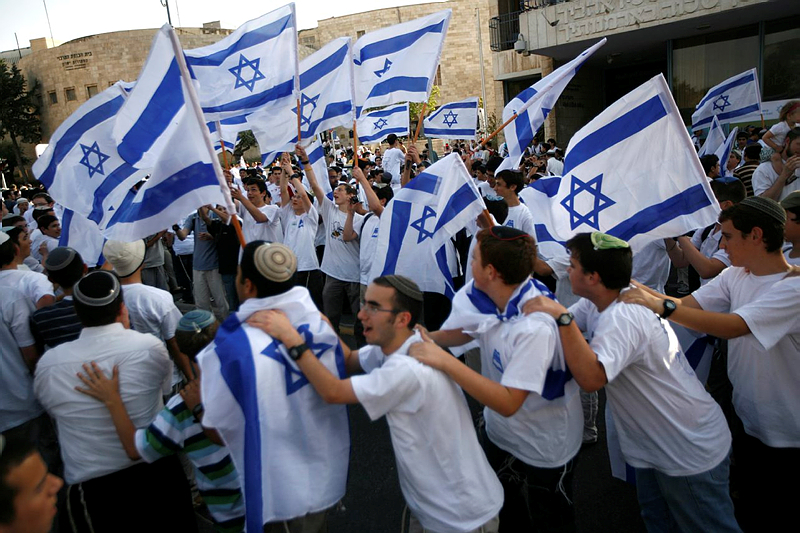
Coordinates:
x,y
355,144
498,130
299,116
419,122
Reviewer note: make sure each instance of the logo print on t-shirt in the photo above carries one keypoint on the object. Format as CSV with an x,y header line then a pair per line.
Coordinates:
x,y
337,230
300,224
510,223
496,362
375,232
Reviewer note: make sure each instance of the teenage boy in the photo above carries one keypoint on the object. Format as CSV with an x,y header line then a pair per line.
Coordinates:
x,y
670,429
791,249
507,184
445,478
260,220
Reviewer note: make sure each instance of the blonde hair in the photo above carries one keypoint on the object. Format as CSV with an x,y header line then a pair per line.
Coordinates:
x,y
787,108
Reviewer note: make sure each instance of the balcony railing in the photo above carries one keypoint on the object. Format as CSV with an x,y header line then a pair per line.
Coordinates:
x,y
527,5
504,30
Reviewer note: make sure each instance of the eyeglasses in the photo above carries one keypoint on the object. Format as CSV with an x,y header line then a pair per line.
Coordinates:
x,y
371,308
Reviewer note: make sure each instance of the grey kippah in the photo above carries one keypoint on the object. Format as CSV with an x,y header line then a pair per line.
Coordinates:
x,y
405,286
59,258
195,320
767,206
275,261
97,289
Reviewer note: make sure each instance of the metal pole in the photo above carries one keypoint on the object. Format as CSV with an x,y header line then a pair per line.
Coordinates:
x,y
480,56
18,50
52,41
165,3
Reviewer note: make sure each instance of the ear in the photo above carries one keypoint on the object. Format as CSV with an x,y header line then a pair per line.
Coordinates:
x,y
757,234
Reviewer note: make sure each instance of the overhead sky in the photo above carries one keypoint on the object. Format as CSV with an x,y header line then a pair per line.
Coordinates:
x,y
71,19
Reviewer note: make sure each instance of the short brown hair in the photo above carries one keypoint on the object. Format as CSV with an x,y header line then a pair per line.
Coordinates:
x,y
510,251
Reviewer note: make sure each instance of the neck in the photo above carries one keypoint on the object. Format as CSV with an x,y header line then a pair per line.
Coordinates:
x,y
501,293
603,298
512,200
768,263
136,277
11,266
400,337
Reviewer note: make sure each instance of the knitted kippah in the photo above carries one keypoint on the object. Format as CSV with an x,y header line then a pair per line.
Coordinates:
x,y
195,320
275,261
404,286
97,289
791,201
766,206
59,258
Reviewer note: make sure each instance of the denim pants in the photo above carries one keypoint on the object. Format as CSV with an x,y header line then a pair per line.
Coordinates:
x,y
686,503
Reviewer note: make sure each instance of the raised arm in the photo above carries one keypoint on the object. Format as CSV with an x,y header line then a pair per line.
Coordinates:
x,y
706,267
253,210
302,156
372,198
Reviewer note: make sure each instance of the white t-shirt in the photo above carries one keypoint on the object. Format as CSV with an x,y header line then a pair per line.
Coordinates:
x,y
369,243
710,248
51,242
764,176
779,131
763,365
555,167
89,443
17,401
341,259
485,189
651,265
263,231
151,310
392,159
299,232
520,217
664,417
446,480
33,284
791,260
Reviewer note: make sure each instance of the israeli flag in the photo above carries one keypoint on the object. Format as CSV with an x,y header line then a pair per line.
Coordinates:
x,y
724,152
376,126
83,236
730,101
616,182
398,63
532,106
422,217
456,120
254,67
326,101
714,139
316,156
537,197
116,139
227,134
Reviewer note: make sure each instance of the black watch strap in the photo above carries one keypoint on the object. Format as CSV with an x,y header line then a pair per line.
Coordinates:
x,y
295,352
669,308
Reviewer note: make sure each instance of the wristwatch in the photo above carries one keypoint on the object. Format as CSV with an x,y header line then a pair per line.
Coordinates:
x,y
304,163
669,308
296,351
565,319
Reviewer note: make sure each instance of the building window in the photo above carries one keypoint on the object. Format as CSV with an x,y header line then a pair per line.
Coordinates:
x,y
70,94
111,83
360,34
781,61
91,90
437,80
53,97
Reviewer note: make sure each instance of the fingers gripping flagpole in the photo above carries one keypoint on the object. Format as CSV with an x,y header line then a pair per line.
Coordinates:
x,y
419,122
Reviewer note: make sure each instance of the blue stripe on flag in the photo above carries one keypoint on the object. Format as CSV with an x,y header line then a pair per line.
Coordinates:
x,y
744,80
251,38
120,174
263,98
67,142
554,383
396,43
454,105
614,132
459,201
239,372
684,203
324,67
66,221
332,110
441,262
424,182
548,186
401,214
316,154
389,111
160,197
730,114
383,133
465,132
523,132
164,104
543,235
400,83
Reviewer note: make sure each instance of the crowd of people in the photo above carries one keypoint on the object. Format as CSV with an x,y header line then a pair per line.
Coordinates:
x,y
220,371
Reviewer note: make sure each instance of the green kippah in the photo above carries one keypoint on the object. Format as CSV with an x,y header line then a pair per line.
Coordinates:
x,y
195,320
603,241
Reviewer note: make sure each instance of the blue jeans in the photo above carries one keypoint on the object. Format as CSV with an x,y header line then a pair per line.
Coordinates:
x,y
686,503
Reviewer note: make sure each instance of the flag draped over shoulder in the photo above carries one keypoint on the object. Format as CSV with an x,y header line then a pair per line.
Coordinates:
x,y
456,120
254,67
534,104
398,63
421,218
632,172
375,126
326,101
730,101
117,138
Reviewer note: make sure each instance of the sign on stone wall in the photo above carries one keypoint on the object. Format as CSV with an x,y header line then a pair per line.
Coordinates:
x,y
75,61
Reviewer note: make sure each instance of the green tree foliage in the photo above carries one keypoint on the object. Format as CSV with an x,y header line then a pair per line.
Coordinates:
x,y
19,112
433,103
246,141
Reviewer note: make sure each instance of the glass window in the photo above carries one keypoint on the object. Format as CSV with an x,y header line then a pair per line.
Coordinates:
x,y
360,34
699,63
53,97
70,94
91,90
781,60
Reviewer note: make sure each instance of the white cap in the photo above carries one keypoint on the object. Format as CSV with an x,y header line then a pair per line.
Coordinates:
x,y
125,257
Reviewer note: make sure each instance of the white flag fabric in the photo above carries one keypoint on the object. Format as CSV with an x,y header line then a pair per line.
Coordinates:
x,y
419,220
456,120
316,156
290,447
254,67
733,98
724,152
714,139
376,126
534,104
116,139
228,135
398,63
615,181
83,236
326,101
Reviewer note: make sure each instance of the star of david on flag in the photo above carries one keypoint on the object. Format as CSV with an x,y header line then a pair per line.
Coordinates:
x,y
454,120
100,159
239,74
306,101
380,123
375,126
384,70
295,379
616,182
736,99
416,226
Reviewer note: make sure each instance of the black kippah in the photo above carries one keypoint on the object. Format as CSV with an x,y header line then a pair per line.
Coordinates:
x,y
97,289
